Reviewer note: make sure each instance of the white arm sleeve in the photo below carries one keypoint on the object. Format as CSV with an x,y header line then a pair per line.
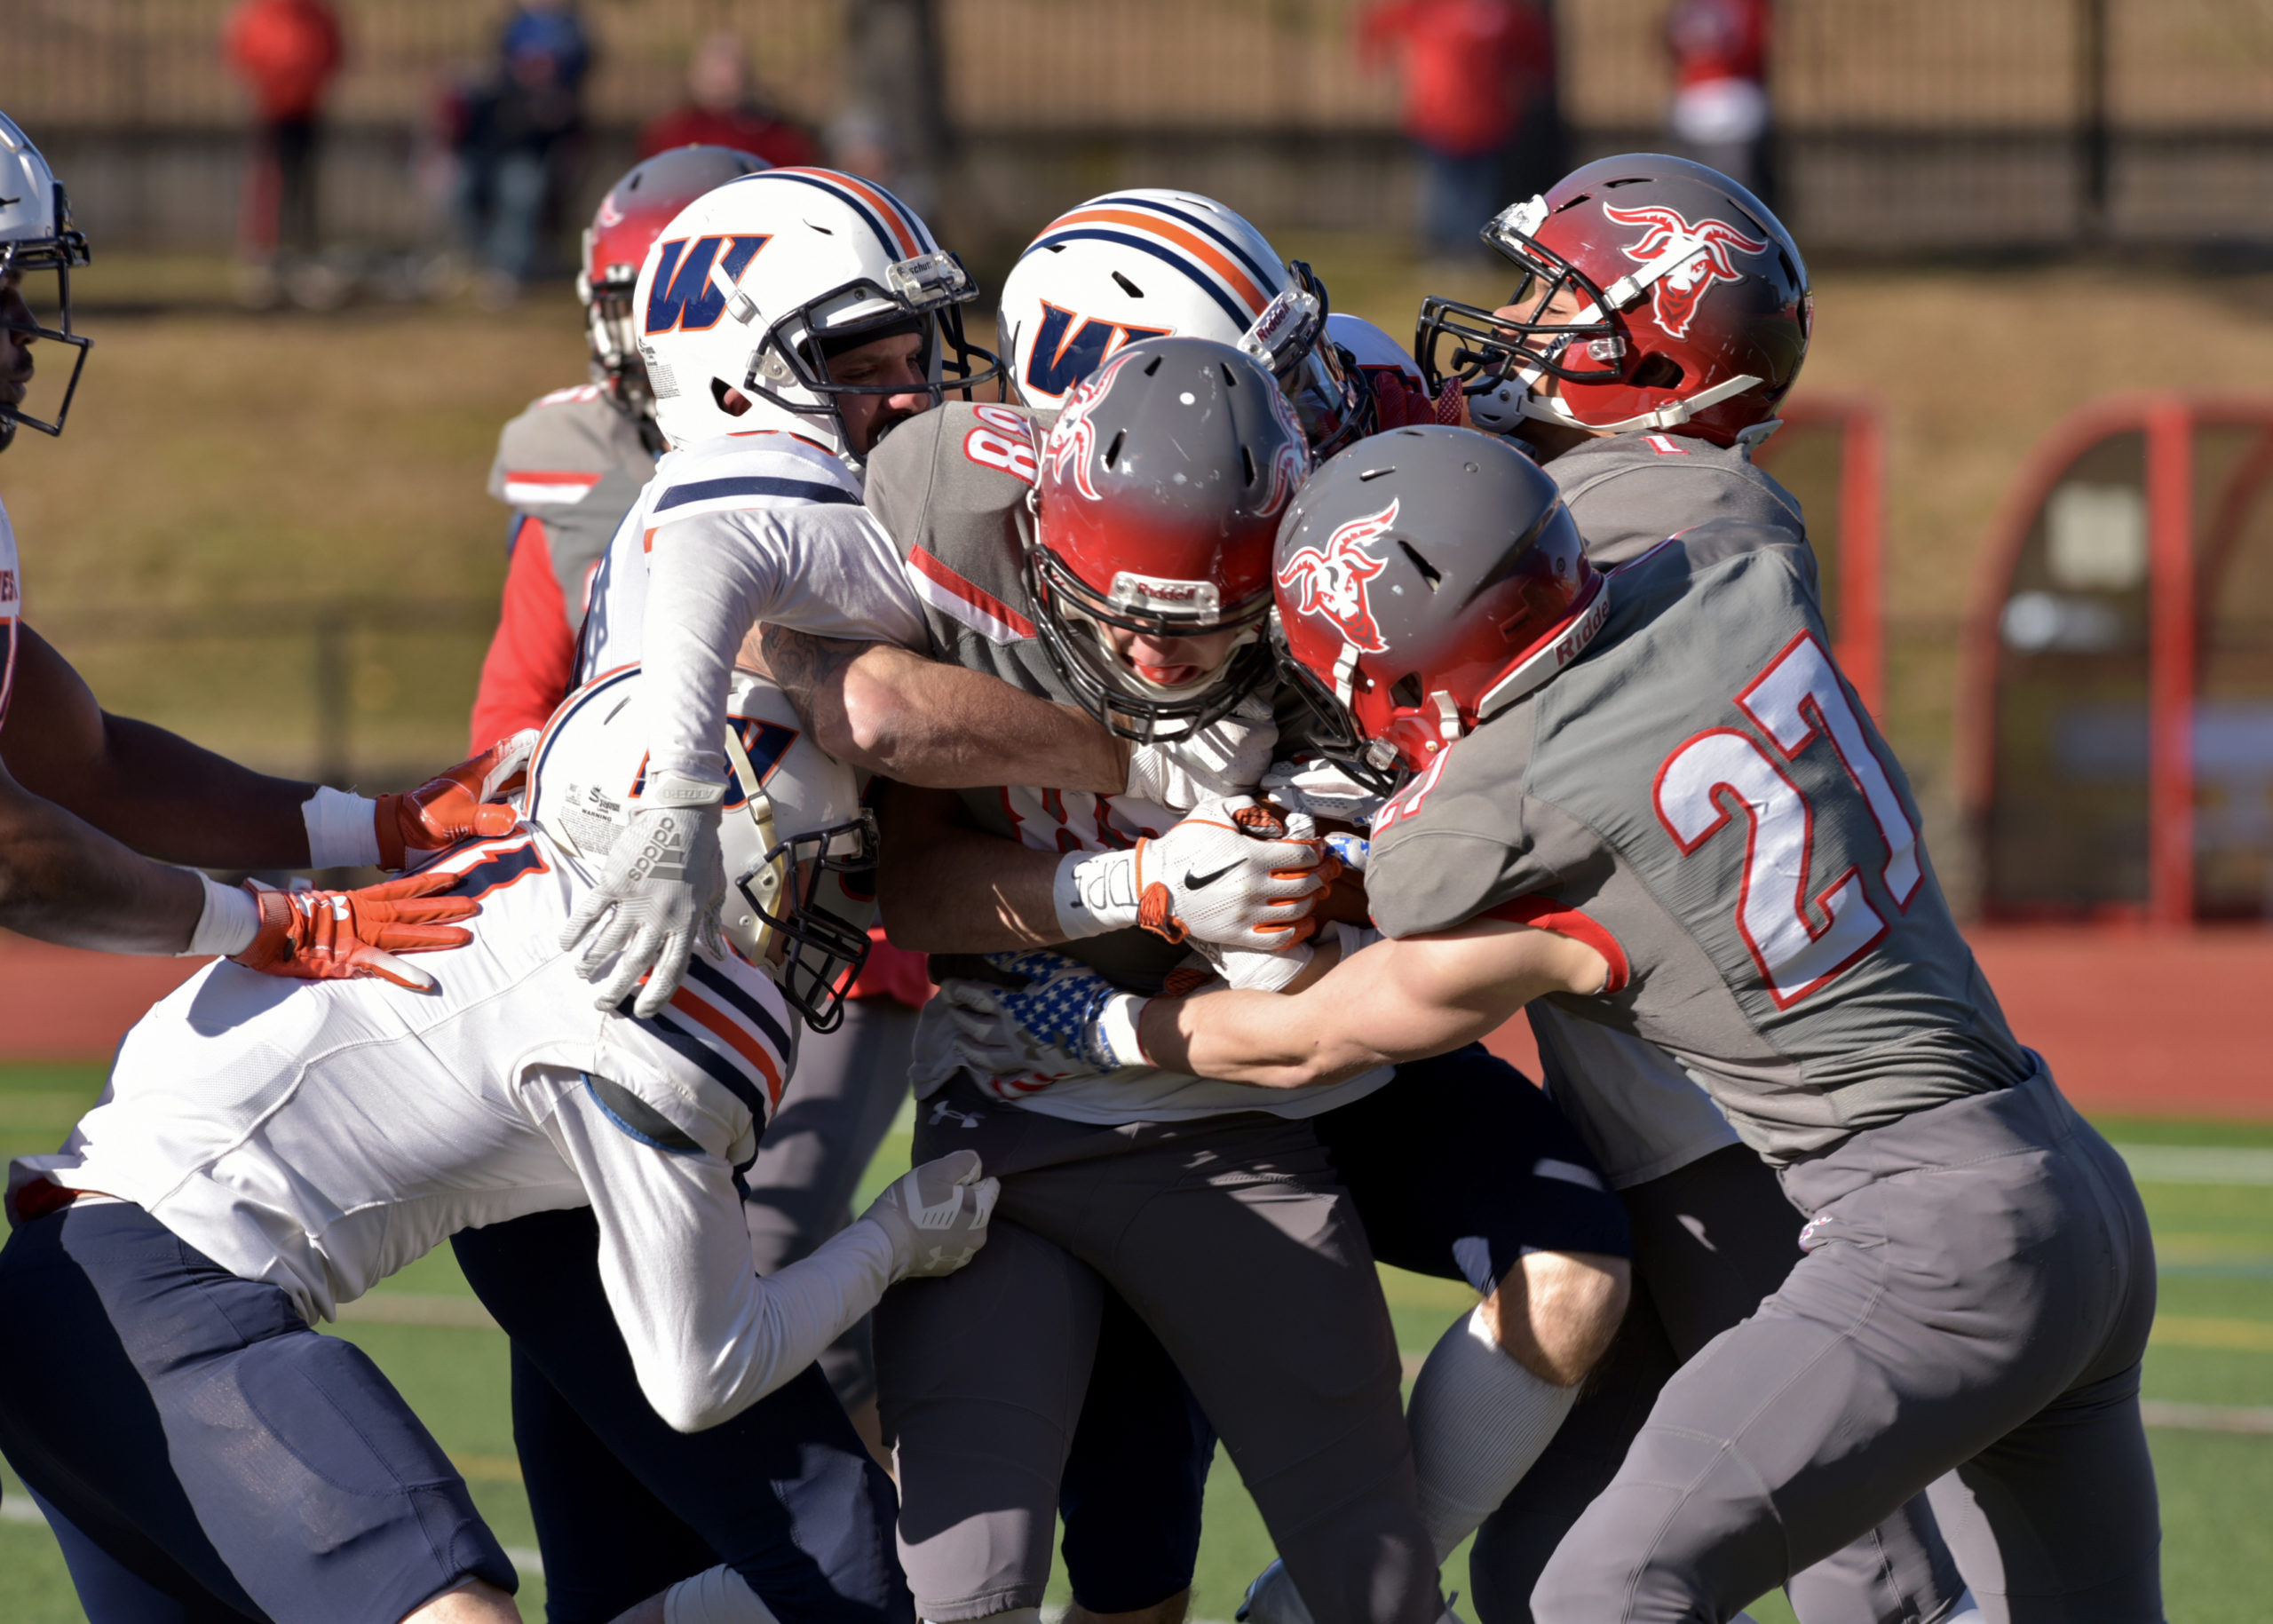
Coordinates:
x,y
708,1337
828,569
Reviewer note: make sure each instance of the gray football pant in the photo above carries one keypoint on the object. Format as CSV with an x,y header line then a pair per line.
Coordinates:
x,y
842,1097
1234,1241
1975,1296
1710,1241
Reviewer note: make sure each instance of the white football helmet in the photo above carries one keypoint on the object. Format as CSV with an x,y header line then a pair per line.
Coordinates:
x,y
1150,264
796,838
755,283
35,235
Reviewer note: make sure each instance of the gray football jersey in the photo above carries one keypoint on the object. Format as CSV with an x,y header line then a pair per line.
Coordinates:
x,y
950,488
574,463
1700,795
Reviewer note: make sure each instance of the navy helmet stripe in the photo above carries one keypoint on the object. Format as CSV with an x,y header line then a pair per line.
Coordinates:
x,y
758,1016
600,687
851,202
754,484
1264,275
1240,317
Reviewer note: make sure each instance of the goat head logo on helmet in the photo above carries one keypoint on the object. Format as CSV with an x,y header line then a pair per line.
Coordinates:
x,y
1332,581
1704,251
1290,464
1073,438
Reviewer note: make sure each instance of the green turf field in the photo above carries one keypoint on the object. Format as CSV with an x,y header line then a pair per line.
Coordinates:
x,y
2210,1370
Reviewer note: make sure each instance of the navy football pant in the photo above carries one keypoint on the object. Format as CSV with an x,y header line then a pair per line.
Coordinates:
x,y
785,1493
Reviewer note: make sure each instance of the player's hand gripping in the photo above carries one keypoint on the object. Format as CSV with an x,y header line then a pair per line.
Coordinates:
x,y
1234,871
659,898
460,804
937,1214
1048,1018
342,935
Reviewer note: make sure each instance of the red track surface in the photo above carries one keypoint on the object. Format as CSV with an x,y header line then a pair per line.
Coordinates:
x,y
2176,1024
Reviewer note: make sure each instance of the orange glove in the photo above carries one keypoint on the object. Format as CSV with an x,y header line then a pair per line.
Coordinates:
x,y
458,806
341,935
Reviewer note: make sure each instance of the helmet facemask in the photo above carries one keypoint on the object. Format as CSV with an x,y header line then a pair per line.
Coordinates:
x,y
23,259
1334,731
1073,618
790,370
1585,344
1318,380
614,346
812,954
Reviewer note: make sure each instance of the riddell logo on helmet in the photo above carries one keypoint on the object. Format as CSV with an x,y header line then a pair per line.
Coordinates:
x,y
1131,590
1332,581
1703,253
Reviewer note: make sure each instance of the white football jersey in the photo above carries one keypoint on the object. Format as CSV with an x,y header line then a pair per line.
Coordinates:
x,y
12,609
319,1136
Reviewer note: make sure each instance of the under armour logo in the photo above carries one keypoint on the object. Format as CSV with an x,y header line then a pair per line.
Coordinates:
x,y
941,1110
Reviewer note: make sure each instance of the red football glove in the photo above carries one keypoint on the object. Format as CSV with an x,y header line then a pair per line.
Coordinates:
x,y
458,805
340,935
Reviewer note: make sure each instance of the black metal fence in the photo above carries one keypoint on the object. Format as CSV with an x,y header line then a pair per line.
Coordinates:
x,y
1924,126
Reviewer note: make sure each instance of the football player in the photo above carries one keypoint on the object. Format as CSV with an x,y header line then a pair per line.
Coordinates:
x,y
1660,317
569,468
96,809
264,1153
1659,806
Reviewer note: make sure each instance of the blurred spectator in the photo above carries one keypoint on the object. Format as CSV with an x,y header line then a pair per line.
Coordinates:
x,y
519,139
1479,102
722,108
1721,115
287,52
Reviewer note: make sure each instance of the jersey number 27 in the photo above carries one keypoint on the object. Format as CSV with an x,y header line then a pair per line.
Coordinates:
x,y
1799,704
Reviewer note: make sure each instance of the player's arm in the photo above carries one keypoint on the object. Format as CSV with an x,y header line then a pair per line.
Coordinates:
x,y
531,663
708,1337
62,880
918,721
147,789
943,886
1396,1001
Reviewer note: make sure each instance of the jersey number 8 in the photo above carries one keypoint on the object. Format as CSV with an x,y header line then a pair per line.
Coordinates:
x,y
1796,701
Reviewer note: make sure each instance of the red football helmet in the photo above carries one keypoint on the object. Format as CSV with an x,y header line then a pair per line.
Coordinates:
x,y
1658,294
631,217
1427,578
1155,508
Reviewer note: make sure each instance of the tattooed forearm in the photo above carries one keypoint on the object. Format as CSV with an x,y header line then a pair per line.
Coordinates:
x,y
810,669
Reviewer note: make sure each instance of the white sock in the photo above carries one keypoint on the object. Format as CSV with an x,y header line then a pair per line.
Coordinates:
x,y
715,1596
1478,1421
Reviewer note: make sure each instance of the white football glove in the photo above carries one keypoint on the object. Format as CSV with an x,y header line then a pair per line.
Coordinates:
x,y
1254,969
1065,1021
936,1215
1234,871
1321,788
657,900
1224,757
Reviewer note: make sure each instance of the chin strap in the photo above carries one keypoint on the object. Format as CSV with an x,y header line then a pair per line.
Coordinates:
x,y
1549,408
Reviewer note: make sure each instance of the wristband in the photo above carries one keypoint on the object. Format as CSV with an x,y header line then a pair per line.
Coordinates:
x,y
342,829
1353,938
231,919
1117,1029
1095,891
681,789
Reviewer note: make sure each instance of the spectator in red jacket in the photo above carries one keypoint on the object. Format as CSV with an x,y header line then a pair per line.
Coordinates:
x,y
1721,115
723,109
1479,103
287,52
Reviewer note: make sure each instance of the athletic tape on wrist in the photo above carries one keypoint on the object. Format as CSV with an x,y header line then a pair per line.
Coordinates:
x,y
342,830
1095,891
1117,1025
228,924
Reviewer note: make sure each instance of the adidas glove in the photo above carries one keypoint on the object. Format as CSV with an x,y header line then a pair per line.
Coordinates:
x,y
1235,872
659,897
936,1215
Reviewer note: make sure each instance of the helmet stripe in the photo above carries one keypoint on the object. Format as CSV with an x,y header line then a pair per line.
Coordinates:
x,y
1263,269
1247,287
1240,318
899,241
576,702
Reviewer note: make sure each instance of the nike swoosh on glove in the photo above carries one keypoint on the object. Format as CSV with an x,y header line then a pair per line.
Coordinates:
x,y
657,901
459,804
936,1215
1224,757
1233,871
1061,1020
346,935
